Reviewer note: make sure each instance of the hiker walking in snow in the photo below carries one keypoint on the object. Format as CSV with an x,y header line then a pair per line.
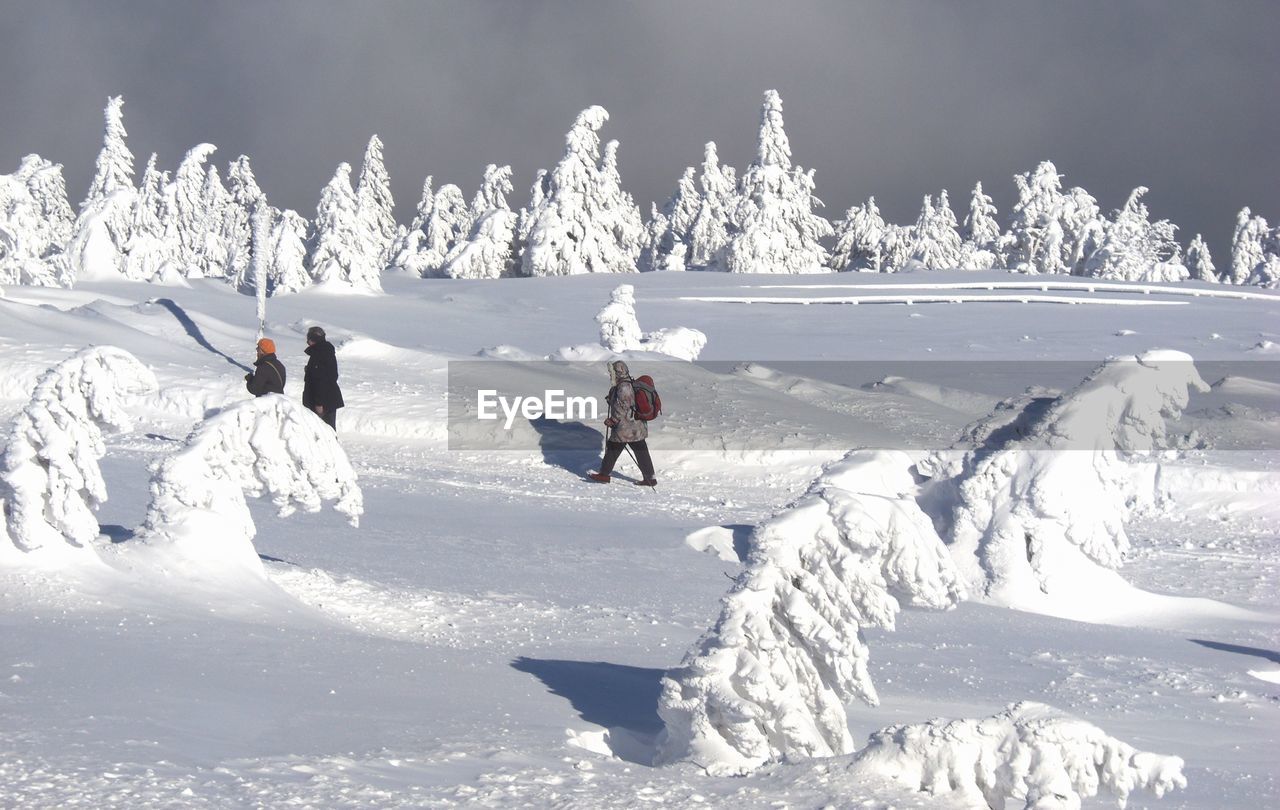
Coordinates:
x,y
320,390
267,376
625,429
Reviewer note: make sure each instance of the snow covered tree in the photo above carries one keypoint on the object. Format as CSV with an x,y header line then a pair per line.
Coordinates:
x,y
260,225
150,253
489,252
859,238
620,330
113,170
50,482
375,204
777,230
192,221
671,247
237,226
712,225
1042,510
980,226
935,242
447,225
407,247
1048,228
895,247
96,247
1029,755
198,522
1248,246
772,678
35,224
1199,263
288,251
581,221
1136,249
342,252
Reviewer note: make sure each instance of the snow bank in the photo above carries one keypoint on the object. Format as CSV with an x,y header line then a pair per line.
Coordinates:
x,y
50,481
1043,497
770,680
198,521
620,330
1029,755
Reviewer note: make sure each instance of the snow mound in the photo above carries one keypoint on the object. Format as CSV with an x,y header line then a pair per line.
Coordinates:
x,y
1029,755
50,481
198,521
1043,498
620,330
771,679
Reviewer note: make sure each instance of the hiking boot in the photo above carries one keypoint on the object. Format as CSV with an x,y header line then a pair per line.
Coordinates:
x,y
599,478
648,482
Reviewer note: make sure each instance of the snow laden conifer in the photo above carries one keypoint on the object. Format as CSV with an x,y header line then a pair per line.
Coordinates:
x,y
375,203
50,482
1199,263
1134,248
446,227
1029,755
581,220
97,244
620,330
771,679
935,242
342,252
407,248
713,223
198,522
151,253
859,240
192,221
670,250
979,233
1255,252
776,228
35,224
1041,510
287,271
1049,228
490,251
237,224
215,254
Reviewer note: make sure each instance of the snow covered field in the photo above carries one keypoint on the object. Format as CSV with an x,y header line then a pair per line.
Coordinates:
x,y
496,630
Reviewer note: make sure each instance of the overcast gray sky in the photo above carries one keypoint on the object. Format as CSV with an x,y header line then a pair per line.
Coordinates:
x,y
892,99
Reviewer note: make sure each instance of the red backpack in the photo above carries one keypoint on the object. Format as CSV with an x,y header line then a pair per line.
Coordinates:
x,y
648,404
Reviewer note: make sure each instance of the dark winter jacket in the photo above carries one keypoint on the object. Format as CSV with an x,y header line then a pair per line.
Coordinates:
x,y
267,376
320,379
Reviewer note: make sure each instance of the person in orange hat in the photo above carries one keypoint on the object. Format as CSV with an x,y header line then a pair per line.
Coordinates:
x,y
268,374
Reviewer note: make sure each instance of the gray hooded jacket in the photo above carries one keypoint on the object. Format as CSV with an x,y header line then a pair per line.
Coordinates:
x,y
622,406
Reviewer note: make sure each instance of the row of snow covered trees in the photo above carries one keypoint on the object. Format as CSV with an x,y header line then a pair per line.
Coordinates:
x,y
578,220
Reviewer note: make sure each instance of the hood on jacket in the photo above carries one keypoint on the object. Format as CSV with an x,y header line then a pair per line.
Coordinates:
x,y
618,371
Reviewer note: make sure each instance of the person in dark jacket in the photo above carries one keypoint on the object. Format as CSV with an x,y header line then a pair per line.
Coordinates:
x,y
320,390
267,376
625,430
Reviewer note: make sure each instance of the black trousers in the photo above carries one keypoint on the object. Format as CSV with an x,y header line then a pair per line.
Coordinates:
x,y
330,417
614,449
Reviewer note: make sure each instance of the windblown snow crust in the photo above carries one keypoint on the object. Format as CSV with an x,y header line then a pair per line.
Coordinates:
x,y
198,518
771,679
1028,756
1043,498
50,481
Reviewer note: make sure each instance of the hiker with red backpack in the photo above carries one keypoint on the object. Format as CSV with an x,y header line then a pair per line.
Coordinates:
x,y
632,405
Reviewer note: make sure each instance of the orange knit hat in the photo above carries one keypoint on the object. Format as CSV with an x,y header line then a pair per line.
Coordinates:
x,y
267,346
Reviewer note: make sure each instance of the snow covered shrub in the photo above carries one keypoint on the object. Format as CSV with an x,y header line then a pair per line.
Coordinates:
x,y
1029,756
50,482
771,679
620,330
270,446
858,239
1039,507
